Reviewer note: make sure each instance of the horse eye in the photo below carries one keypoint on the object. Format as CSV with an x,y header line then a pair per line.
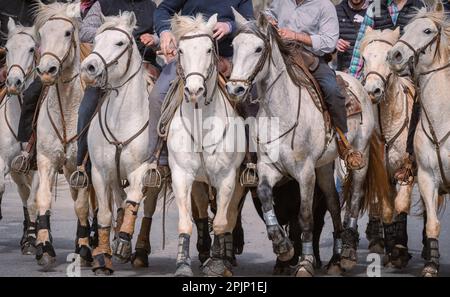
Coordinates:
x,y
32,50
209,51
180,52
120,43
68,33
427,31
258,50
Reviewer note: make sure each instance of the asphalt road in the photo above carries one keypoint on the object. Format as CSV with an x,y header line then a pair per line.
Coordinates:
x,y
256,260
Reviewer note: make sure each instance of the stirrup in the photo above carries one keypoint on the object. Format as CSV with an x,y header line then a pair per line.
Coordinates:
x,y
354,164
21,164
152,178
249,176
79,179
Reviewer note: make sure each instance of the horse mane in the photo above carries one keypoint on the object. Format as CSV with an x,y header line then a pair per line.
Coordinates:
x,y
441,20
115,21
183,25
42,13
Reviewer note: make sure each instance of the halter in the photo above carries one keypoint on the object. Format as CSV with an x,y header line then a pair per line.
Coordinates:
x,y
414,60
72,43
211,68
383,79
267,52
115,61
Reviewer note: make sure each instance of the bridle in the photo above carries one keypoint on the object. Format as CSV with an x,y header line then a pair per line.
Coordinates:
x,y
266,54
376,73
115,61
212,67
73,44
26,74
414,59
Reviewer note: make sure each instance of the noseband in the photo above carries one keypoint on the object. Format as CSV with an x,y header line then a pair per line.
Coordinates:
x,y
72,43
376,73
31,68
212,66
261,62
115,61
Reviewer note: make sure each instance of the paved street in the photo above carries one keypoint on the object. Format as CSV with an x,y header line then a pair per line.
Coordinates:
x,y
257,259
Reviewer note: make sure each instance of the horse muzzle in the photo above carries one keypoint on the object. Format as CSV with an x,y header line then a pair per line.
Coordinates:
x,y
376,92
92,73
14,85
237,90
399,61
48,73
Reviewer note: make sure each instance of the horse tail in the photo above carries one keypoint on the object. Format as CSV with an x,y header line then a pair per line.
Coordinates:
x,y
377,190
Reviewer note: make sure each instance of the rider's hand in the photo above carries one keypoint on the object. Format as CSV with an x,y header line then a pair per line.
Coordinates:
x,y
221,29
342,45
147,39
168,45
285,33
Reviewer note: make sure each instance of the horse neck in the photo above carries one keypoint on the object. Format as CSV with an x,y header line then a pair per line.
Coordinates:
x,y
282,97
395,108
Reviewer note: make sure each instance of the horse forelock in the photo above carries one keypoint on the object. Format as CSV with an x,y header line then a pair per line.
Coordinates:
x,y
43,13
388,35
115,22
185,25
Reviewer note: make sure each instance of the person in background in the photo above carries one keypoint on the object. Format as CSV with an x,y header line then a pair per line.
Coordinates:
x,y
85,5
350,14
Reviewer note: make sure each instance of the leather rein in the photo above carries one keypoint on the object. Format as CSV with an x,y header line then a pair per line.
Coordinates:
x,y
414,60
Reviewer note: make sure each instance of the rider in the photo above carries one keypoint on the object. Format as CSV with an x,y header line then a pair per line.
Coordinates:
x,y
350,14
143,34
315,25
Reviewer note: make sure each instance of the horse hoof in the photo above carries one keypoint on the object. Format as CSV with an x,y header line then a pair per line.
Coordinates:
x,y
334,266
430,270
102,264
281,268
400,257
348,264
184,270
139,259
215,267
122,250
376,246
47,262
85,254
203,256
28,249
286,256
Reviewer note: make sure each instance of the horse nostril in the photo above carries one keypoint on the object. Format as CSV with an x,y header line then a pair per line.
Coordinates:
x,y
377,92
52,70
18,83
91,68
239,90
398,56
200,91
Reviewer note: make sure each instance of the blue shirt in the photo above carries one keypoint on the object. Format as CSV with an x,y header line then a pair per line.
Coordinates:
x,y
168,8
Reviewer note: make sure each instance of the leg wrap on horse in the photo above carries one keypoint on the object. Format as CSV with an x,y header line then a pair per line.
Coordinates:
x,y
143,240
28,241
350,242
389,237
374,234
401,232
44,238
432,257
203,239
82,244
306,264
26,223
129,219
221,256
102,253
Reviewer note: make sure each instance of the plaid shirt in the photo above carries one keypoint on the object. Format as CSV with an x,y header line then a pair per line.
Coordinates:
x,y
356,64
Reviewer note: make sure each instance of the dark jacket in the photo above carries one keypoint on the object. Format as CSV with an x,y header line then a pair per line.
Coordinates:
x,y
349,23
382,22
144,10
168,8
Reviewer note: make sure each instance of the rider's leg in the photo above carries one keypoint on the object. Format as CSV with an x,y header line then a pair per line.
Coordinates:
x,y
30,102
335,101
156,99
406,173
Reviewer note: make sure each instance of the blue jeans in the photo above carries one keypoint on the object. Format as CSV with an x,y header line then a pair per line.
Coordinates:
x,y
85,113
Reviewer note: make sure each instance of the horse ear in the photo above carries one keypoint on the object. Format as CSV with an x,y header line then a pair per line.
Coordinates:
x,y
11,25
212,22
368,30
438,6
73,10
238,18
131,20
397,32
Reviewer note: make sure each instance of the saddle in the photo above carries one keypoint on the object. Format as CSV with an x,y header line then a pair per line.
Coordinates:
x,y
304,63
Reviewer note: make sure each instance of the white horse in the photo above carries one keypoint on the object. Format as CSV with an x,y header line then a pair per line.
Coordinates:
x,y
193,157
57,122
21,60
394,96
424,53
299,148
118,137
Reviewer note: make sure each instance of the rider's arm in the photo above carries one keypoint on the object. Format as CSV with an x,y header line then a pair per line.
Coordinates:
x,y
324,42
91,23
356,63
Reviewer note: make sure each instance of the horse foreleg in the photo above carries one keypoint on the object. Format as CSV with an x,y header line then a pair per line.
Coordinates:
x,y
306,178
200,202
45,253
81,205
102,253
2,183
325,180
182,187
429,191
